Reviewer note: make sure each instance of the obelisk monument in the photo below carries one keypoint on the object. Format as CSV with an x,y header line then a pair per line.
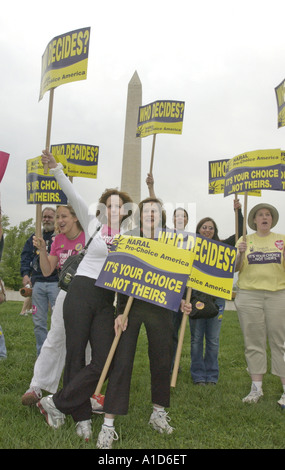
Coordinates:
x,y
131,168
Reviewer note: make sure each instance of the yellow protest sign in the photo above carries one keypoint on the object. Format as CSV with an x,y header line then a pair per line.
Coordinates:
x,y
145,269
213,265
255,170
217,173
78,159
65,60
42,188
213,268
164,117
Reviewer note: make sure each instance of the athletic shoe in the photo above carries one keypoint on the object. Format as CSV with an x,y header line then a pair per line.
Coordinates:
x,y
97,403
253,396
159,421
54,417
106,437
281,402
32,396
83,429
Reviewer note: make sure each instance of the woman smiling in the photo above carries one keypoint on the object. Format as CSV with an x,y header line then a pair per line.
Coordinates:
x,y
261,297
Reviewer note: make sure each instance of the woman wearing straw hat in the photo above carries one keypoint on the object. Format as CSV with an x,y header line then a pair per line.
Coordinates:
x,y
260,298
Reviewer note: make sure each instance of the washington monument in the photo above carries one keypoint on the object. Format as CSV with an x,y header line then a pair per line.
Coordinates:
x,y
131,168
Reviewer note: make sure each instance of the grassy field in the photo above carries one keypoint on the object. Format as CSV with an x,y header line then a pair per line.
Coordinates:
x,y
211,417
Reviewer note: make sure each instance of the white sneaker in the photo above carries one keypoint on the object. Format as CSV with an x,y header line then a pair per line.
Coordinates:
x,y
281,402
83,429
159,421
54,417
106,437
253,396
97,403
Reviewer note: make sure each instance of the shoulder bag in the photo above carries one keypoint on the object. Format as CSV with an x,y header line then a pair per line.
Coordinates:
x,y
70,266
203,306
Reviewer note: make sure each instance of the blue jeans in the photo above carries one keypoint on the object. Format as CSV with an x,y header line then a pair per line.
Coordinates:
x,y
44,294
204,366
3,350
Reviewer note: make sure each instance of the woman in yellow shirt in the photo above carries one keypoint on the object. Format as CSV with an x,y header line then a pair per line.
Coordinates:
x,y
260,298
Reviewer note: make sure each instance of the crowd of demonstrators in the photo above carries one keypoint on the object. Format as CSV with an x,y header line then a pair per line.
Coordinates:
x,y
45,288
96,314
260,298
48,367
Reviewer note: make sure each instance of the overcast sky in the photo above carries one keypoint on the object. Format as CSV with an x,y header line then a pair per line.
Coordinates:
x,y
223,58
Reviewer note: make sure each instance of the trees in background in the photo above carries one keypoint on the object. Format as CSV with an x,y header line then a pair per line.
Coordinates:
x,y
14,239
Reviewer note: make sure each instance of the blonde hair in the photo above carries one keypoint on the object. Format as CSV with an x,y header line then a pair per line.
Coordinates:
x,y
72,212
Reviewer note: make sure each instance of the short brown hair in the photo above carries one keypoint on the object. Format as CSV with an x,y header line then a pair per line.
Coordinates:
x,y
103,200
146,201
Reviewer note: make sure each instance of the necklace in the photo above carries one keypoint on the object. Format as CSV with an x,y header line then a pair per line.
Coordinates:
x,y
73,238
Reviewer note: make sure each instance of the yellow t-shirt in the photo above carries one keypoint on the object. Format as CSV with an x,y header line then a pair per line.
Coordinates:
x,y
263,267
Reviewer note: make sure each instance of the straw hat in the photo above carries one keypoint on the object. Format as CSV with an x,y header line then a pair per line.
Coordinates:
x,y
251,215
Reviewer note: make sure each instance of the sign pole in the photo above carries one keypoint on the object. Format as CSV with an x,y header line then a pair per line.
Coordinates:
x,y
51,95
180,341
245,216
244,222
39,206
236,219
113,348
152,153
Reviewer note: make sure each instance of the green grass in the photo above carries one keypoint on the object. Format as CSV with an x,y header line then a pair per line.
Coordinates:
x,y
211,417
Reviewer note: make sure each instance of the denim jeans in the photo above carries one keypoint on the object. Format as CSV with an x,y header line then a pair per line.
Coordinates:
x,y
44,295
3,350
204,360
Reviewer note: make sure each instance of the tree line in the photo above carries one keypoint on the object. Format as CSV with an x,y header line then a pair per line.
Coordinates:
x,y
14,239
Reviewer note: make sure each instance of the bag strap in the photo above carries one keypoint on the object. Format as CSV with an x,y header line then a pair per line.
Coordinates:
x,y
91,238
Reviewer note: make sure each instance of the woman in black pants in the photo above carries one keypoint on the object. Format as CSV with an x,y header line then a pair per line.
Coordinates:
x,y
159,329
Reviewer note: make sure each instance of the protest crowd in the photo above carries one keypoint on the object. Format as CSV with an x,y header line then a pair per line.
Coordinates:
x,y
107,320
92,278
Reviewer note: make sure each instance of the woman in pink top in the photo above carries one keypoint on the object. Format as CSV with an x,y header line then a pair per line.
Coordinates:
x,y
49,365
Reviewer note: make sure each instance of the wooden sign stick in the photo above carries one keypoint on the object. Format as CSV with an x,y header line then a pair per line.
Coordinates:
x,y
152,153
39,206
236,219
244,216
244,223
180,341
51,95
113,348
